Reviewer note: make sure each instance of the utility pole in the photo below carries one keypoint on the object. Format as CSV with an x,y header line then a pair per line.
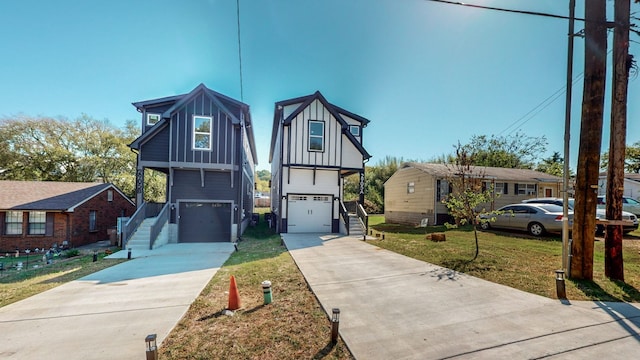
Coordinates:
x,y
567,137
586,188
613,262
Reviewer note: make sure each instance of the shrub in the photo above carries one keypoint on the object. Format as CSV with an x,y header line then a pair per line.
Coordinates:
x,y
72,253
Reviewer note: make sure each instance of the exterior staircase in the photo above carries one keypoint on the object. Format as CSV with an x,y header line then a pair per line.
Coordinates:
x,y
140,239
355,226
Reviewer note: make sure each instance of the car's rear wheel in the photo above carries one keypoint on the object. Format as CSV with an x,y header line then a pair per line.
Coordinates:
x,y
485,225
536,229
599,230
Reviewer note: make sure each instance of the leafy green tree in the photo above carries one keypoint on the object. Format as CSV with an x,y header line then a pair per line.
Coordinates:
x,y
376,176
84,149
262,179
631,162
516,152
466,201
553,165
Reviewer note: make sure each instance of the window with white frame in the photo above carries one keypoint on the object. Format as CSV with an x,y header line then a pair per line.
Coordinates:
x,y
13,223
93,220
37,222
355,130
109,195
152,119
498,188
202,132
526,189
316,135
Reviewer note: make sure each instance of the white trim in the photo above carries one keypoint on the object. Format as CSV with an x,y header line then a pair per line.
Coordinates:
x,y
309,136
194,132
152,115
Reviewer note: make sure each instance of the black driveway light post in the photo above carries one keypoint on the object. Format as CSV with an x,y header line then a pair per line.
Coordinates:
x,y
335,323
560,288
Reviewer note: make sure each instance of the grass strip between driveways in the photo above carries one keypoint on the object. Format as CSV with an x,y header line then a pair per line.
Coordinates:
x,y
514,259
293,326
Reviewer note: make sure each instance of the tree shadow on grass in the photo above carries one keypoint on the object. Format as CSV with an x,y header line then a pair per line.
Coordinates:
x,y
594,291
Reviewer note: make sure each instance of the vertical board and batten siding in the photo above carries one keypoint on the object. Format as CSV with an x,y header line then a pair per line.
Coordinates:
x,y
404,208
156,149
222,140
297,137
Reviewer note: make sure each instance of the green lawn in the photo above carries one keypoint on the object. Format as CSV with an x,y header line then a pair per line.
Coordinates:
x,y
513,259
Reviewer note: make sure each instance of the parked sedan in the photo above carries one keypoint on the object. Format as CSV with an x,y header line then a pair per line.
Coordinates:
x,y
600,213
536,219
628,204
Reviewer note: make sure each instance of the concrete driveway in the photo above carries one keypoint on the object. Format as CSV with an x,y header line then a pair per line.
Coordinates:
x,y
108,314
395,307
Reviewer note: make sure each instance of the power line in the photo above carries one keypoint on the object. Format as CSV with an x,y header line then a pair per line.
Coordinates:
x,y
239,50
524,12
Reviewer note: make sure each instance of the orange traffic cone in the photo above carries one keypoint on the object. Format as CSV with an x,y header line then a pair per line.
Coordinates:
x,y
234,297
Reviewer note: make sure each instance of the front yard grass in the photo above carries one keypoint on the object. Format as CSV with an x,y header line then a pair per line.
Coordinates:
x,y
18,285
293,326
514,259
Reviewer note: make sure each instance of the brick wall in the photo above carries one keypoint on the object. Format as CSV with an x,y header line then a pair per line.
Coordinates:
x,y
9,243
107,213
73,227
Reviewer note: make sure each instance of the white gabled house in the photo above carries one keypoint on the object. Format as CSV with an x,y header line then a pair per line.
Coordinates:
x,y
314,146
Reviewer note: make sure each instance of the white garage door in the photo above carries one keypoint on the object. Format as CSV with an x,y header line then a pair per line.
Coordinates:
x,y
309,214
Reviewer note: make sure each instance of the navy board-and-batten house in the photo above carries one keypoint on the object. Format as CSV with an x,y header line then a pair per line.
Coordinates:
x,y
203,142
314,146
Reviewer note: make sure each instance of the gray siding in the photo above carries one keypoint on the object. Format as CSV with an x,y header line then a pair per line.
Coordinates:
x,y
157,148
224,134
187,185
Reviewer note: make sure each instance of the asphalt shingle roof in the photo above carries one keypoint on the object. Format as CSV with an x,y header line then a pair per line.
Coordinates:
x,y
493,172
45,195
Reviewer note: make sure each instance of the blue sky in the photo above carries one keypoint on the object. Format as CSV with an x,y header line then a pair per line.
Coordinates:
x,y
426,74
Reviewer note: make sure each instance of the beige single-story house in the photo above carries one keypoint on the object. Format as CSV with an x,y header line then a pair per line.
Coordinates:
x,y
416,191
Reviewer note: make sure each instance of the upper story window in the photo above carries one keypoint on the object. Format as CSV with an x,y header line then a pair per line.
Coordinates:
x,y
355,130
13,223
411,187
202,132
152,119
37,222
316,135
109,195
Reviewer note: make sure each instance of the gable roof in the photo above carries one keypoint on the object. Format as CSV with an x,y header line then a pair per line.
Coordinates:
x,y
231,107
49,195
305,101
504,174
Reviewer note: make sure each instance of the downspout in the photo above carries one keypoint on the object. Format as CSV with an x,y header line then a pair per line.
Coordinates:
x,y
280,192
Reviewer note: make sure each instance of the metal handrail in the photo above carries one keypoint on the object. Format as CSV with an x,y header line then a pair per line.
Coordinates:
x,y
158,224
132,224
363,216
345,216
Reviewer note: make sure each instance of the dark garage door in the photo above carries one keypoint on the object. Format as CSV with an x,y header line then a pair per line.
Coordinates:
x,y
204,222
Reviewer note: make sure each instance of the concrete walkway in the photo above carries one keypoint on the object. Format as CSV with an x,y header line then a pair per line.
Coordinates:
x,y
108,314
395,307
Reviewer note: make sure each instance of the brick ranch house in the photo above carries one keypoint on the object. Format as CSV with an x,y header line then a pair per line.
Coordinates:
x,y
42,214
